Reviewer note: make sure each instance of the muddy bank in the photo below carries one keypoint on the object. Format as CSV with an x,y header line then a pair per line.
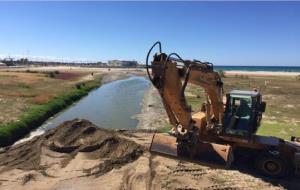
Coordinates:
x,y
110,75
113,76
153,114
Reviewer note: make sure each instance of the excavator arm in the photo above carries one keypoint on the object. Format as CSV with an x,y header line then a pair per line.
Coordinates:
x,y
171,75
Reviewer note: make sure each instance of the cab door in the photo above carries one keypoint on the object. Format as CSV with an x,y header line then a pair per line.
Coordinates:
x,y
238,115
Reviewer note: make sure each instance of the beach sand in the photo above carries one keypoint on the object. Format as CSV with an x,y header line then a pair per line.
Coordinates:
x,y
153,114
262,73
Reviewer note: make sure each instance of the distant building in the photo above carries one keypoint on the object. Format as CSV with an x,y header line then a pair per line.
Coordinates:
x,y
121,63
2,64
9,62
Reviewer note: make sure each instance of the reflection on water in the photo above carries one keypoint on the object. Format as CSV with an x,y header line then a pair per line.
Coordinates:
x,y
110,106
113,105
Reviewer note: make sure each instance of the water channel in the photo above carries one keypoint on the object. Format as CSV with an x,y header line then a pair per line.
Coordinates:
x,y
112,105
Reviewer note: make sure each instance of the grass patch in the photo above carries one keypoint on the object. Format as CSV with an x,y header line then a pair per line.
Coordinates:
x,y
282,130
23,85
37,114
195,103
164,129
195,97
280,93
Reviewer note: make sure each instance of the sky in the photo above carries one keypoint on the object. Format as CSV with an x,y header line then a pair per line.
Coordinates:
x,y
224,33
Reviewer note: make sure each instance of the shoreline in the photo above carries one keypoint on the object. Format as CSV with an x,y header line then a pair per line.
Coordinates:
x,y
153,114
106,78
11,133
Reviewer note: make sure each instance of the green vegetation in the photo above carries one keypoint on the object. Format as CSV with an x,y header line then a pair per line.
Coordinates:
x,y
195,102
221,73
281,94
37,114
52,74
195,96
241,76
164,129
21,89
283,130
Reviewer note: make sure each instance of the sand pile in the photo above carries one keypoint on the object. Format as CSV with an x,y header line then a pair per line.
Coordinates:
x,y
65,142
78,155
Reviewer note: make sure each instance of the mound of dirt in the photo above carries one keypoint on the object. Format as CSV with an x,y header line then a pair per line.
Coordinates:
x,y
65,142
78,155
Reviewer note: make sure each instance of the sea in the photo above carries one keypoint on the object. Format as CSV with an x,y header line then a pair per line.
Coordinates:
x,y
258,68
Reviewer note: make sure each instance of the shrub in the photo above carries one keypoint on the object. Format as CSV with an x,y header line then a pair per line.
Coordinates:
x,y
222,73
78,85
30,71
51,75
23,85
241,76
41,99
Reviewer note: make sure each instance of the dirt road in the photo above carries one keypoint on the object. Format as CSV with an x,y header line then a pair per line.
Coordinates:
x,y
79,155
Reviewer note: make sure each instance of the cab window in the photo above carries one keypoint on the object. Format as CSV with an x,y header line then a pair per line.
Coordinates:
x,y
238,114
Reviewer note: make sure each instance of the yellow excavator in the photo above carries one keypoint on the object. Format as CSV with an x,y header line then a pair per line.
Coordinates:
x,y
222,132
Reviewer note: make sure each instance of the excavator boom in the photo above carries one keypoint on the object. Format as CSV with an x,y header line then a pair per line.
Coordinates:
x,y
170,76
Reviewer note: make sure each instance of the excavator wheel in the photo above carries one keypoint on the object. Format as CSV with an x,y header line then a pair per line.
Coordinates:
x,y
272,166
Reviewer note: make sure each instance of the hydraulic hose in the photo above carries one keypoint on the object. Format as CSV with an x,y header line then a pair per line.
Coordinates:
x,y
147,59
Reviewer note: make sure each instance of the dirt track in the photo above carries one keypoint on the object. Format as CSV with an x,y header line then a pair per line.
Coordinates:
x,y
79,155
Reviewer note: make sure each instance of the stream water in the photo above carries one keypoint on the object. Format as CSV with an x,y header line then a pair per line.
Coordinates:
x,y
112,105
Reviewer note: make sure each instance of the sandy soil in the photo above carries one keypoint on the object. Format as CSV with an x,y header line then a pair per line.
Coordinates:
x,y
90,69
262,73
79,69
79,155
114,75
153,114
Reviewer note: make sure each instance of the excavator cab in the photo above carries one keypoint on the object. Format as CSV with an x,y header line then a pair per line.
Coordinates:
x,y
243,113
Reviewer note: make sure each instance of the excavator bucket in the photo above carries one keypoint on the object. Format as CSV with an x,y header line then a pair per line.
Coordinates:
x,y
209,153
164,144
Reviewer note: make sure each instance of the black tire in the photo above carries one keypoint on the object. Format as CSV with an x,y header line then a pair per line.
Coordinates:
x,y
272,166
